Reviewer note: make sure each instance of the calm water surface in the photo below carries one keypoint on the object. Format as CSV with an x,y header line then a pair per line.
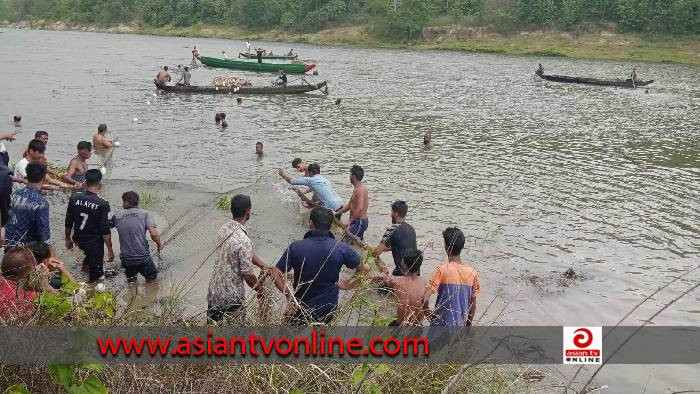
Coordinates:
x,y
541,177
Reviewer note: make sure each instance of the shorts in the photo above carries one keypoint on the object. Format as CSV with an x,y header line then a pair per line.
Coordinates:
x,y
358,227
94,258
217,315
146,268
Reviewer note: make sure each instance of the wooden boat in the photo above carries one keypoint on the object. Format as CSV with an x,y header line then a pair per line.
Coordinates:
x,y
289,89
625,83
255,66
270,57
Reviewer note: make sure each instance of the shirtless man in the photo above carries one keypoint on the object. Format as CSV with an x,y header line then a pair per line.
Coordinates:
x,y
17,121
163,76
358,222
409,290
99,140
78,165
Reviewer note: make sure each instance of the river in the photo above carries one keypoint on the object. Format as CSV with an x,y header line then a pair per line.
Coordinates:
x,y
541,177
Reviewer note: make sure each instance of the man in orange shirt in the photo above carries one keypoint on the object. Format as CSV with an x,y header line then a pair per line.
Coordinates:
x,y
455,283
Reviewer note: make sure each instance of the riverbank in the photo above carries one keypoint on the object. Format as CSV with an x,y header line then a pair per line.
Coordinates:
x,y
603,45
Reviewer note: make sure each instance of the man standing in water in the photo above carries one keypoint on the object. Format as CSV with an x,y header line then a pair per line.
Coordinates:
x,y
17,121
78,167
398,238
234,264
259,148
316,262
86,219
359,201
132,224
456,284
99,140
320,186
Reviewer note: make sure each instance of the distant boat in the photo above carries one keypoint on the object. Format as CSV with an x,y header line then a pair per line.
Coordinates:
x,y
289,89
255,66
272,57
624,83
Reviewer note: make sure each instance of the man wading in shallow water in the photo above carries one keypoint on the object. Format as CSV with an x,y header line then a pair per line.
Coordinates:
x,y
359,201
86,218
234,265
132,224
321,187
398,238
316,262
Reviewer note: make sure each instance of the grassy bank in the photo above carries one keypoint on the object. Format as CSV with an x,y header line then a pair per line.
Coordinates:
x,y
105,309
596,45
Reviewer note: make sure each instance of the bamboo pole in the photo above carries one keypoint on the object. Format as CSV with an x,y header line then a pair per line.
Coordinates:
x,y
357,241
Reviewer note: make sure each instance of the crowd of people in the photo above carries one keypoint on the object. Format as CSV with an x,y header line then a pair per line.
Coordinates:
x,y
26,231
317,260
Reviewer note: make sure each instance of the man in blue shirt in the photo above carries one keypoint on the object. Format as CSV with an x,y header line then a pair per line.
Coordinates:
x,y
320,186
29,215
316,262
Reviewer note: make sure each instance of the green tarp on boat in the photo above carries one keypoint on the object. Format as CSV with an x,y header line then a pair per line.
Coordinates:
x,y
255,66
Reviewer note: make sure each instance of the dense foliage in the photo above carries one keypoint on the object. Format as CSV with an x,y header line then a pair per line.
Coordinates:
x,y
402,19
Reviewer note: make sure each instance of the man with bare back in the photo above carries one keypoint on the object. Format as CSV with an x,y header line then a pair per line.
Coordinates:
x,y
359,201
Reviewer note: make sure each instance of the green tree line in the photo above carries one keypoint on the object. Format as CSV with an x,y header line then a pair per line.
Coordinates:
x,y
401,19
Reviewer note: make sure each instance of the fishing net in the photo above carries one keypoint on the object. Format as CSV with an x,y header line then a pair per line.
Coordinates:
x,y
188,219
225,82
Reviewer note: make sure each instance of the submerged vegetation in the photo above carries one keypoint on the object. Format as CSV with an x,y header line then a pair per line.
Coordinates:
x,y
223,203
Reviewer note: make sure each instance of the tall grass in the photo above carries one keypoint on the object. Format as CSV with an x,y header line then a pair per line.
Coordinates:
x,y
365,306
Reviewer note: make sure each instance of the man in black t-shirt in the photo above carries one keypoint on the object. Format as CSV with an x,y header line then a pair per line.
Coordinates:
x,y
398,238
86,218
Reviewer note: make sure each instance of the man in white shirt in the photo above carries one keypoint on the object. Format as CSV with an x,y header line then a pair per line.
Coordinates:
x,y
247,46
36,151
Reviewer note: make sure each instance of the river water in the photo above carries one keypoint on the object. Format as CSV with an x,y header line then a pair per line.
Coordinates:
x,y
541,177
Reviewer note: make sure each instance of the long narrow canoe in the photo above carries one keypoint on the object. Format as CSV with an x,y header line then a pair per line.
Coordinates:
x,y
271,57
625,83
289,89
255,66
